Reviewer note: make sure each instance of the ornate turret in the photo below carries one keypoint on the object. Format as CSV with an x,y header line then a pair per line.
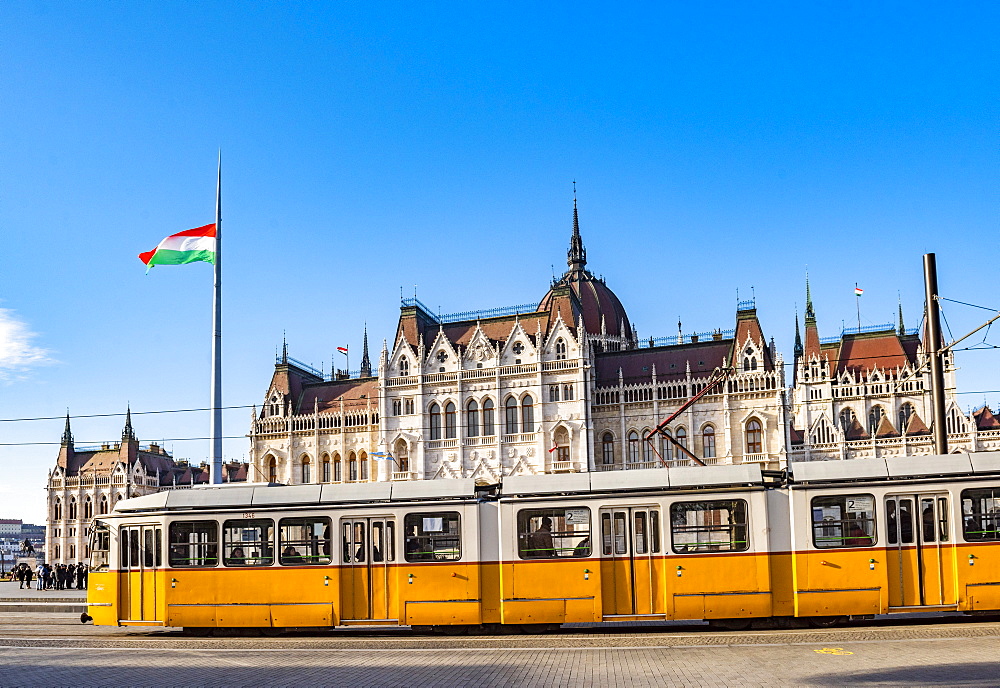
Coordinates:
x,y
901,329
576,257
128,434
67,436
798,337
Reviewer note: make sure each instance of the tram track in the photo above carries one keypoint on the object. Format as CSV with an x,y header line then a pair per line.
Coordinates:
x,y
54,636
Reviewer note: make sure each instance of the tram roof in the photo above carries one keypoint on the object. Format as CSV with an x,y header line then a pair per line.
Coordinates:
x,y
649,478
939,465
260,495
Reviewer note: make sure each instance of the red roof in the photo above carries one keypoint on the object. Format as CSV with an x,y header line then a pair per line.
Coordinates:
x,y
670,361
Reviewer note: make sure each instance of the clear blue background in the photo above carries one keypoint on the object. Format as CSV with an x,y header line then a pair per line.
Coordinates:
x,y
369,146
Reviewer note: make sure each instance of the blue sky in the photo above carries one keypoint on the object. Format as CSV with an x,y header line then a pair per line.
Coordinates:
x,y
717,147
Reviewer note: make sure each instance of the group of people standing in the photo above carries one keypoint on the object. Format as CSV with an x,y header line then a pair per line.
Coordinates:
x,y
55,577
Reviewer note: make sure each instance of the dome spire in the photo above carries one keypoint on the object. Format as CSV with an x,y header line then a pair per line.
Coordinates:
x,y
576,258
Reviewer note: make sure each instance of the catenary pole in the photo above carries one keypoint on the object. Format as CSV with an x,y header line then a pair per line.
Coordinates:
x,y
934,350
216,427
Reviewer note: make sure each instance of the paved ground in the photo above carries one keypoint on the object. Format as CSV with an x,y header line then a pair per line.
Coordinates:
x,y
55,649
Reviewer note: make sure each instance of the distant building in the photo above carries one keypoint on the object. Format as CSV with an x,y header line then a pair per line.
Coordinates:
x,y
10,527
89,481
866,394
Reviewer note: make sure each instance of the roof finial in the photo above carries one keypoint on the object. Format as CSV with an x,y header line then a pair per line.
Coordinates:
x,y
366,364
577,256
67,437
128,435
902,328
798,337
284,348
810,313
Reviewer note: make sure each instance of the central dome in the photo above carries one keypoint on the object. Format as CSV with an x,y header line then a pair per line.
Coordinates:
x,y
600,309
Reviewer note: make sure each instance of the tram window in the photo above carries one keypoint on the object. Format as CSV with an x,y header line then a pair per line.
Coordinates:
x,y
553,533
927,519
248,542
304,541
847,521
378,542
981,514
606,533
123,541
719,526
193,543
654,531
133,548
347,543
621,533
641,539
390,541
359,542
433,536
891,522
100,546
159,547
942,519
147,548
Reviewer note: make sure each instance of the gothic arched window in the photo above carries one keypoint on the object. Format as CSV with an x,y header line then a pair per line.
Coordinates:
x,y
72,509
749,360
271,468
608,449
326,475
450,422
338,469
682,437
527,414
88,508
57,510
352,467
708,442
489,421
435,415
874,418
511,415
905,411
560,349
472,418
846,419
363,460
755,437
306,470
633,446
402,456
404,366
553,392
567,392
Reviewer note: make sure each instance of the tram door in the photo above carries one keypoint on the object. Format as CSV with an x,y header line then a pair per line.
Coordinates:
x,y
140,555
630,536
919,550
366,586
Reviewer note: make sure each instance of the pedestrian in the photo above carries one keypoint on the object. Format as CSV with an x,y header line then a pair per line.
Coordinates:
x,y
70,576
39,575
49,576
81,576
20,576
28,575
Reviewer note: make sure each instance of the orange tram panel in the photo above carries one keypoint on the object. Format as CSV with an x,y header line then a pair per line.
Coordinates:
x,y
730,544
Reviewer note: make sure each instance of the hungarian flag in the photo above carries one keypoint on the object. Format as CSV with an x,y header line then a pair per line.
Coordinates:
x,y
342,349
858,291
188,246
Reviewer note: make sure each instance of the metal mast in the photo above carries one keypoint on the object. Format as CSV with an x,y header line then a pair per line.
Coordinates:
x,y
936,353
216,427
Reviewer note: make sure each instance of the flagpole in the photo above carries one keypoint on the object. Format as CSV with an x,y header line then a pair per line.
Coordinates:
x,y
216,426
857,300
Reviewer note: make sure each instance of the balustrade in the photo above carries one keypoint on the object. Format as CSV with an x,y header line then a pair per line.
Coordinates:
x,y
522,369
560,365
520,438
442,444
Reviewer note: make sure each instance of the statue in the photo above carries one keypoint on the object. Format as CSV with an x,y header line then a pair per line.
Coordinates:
x,y
26,547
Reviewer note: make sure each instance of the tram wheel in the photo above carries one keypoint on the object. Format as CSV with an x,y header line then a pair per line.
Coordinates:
x,y
730,624
826,621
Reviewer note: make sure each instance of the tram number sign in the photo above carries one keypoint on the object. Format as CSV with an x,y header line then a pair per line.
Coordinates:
x,y
857,504
578,516
249,514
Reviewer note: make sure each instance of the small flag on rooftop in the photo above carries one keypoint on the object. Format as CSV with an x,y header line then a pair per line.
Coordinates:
x,y
342,349
858,291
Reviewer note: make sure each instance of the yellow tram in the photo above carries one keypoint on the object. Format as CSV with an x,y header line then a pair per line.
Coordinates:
x,y
823,542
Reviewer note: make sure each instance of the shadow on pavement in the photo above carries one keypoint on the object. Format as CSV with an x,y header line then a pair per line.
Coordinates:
x,y
964,674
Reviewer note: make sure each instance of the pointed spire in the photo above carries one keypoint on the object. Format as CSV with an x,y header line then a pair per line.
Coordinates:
x,y
901,327
128,434
810,313
576,258
798,336
366,364
67,436
284,349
